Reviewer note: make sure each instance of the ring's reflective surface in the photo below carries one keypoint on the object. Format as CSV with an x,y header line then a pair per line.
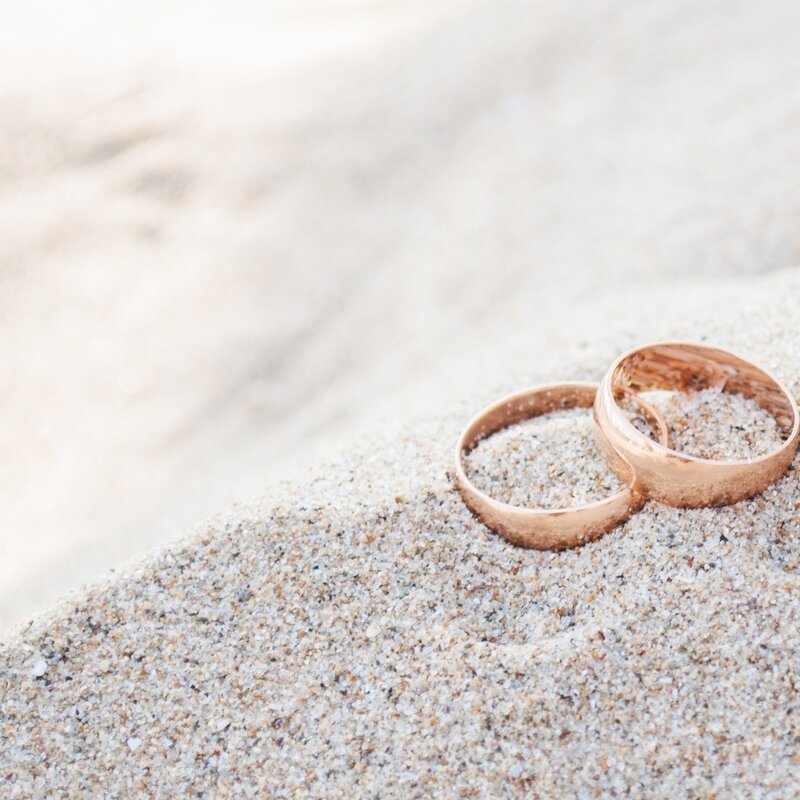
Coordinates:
x,y
672,477
548,529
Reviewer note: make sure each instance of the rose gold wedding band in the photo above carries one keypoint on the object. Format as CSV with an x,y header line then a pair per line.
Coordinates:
x,y
547,529
672,477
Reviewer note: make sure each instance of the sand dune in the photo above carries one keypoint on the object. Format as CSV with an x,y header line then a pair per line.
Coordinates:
x,y
361,634
231,238
287,251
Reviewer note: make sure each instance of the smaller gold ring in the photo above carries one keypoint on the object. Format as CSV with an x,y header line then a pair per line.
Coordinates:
x,y
547,529
682,480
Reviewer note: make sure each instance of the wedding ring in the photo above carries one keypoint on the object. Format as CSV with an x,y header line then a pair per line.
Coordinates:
x,y
548,529
672,477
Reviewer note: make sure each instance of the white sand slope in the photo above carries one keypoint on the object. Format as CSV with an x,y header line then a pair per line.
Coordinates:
x,y
363,636
233,240
233,235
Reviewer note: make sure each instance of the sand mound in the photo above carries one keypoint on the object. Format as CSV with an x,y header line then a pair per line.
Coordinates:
x,y
224,254
232,236
363,636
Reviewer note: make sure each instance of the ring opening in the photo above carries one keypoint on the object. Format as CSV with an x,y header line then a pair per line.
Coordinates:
x,y
680,368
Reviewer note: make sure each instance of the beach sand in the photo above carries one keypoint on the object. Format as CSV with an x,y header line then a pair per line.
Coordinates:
x,y
320,262
362,635
232,238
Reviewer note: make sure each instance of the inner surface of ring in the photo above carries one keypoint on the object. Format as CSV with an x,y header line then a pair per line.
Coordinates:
x,y
520,408
681,368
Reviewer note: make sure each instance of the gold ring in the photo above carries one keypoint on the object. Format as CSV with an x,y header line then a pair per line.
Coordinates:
x,y
548,529
672,477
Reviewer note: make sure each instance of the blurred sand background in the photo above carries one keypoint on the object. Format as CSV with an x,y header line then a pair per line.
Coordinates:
x,y
235,235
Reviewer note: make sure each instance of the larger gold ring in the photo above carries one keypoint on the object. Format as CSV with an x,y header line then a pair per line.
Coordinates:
x,y
672,477
542,528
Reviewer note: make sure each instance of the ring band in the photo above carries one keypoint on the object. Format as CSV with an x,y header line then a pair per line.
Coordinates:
x,y
548,529
672,477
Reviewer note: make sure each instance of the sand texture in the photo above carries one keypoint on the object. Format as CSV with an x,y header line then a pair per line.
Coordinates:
x,y
245,238
363,636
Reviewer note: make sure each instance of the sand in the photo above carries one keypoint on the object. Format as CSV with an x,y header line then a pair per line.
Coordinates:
x,y
361,635
236,244
525,464
232,238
